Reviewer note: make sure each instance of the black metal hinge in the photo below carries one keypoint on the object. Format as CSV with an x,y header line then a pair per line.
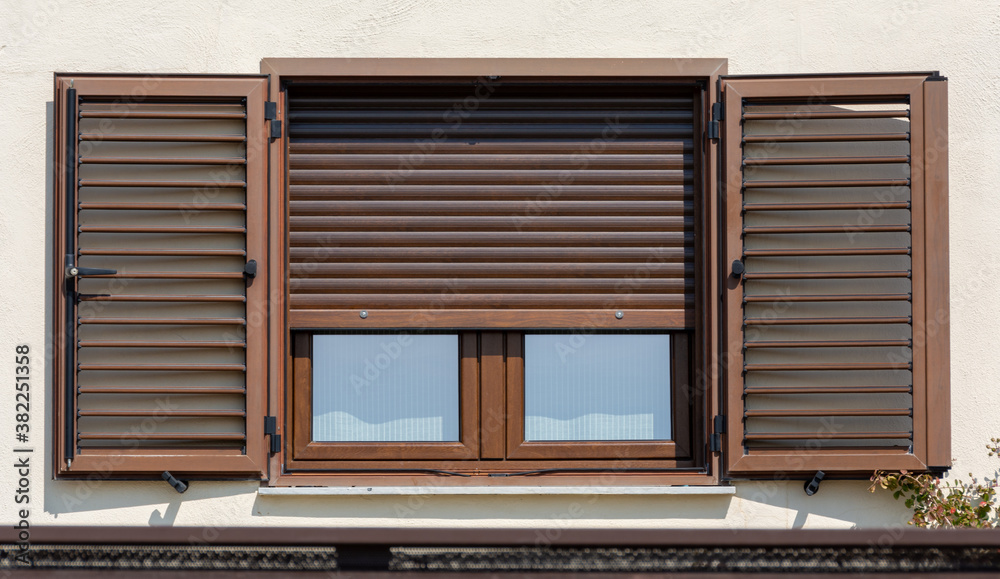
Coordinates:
x,y
719,428
271,429
271,114
712,131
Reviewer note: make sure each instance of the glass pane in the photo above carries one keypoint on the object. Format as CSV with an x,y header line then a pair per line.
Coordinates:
x,y
597,387
385,388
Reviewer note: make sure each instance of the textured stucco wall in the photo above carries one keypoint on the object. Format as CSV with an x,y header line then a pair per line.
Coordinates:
x,y
958,37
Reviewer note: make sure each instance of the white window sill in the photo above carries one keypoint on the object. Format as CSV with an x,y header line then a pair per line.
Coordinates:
x,y
496,490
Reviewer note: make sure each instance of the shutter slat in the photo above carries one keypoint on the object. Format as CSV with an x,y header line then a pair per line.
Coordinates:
x,y
163,160
323,238
159,344
493,161
165,252
407,149
767,161
301,211
160,298
481,176
824,205
671,219
491,285
827,298
152,138
166,321
207,184
179,436
486,254
405,192
336,273
806,138
176,390
192,207
899,435
487,301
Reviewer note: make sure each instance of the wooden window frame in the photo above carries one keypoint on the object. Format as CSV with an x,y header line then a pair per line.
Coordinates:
x,y
703,466
467,447
493,373
676,449
491,370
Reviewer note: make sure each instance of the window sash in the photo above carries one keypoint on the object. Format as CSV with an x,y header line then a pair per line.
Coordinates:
x,y
491,371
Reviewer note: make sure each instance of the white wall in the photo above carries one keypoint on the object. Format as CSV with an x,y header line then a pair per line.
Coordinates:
x,y
959,37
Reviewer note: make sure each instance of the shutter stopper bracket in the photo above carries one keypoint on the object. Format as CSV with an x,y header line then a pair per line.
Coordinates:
x,y
812,486
179,486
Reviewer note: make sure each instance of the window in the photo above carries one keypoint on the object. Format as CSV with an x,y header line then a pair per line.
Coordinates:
x,y
494,402
501,270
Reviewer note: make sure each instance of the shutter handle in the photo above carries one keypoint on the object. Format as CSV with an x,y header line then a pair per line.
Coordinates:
x,y
738,268
73,271
250,269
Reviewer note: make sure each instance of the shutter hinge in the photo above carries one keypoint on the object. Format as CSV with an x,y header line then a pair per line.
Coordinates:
x,y
271,114
719,428
712,131
271,429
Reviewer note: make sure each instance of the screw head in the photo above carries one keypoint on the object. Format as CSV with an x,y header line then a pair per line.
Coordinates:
x,y
363,314
619,314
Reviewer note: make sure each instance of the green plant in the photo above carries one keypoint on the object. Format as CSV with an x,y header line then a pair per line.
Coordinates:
x,y
938,503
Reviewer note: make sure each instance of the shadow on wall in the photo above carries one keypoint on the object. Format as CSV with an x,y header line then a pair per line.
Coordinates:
x,y
837,504
97,495
95,492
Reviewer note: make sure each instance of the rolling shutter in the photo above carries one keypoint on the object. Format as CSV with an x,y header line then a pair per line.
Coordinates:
x,y
160,208
491,204
837,255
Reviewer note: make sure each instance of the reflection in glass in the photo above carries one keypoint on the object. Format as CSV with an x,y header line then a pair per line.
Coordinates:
x,y
385,387
597,387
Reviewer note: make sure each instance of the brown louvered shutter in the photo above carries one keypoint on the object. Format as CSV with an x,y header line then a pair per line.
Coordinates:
x,y
160,207
490,204
837,255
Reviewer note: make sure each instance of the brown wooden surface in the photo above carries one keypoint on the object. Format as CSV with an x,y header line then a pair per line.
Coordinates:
x,y
928,235
358,155
493,392
306,449
501,319
394,223
242,457
937,316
